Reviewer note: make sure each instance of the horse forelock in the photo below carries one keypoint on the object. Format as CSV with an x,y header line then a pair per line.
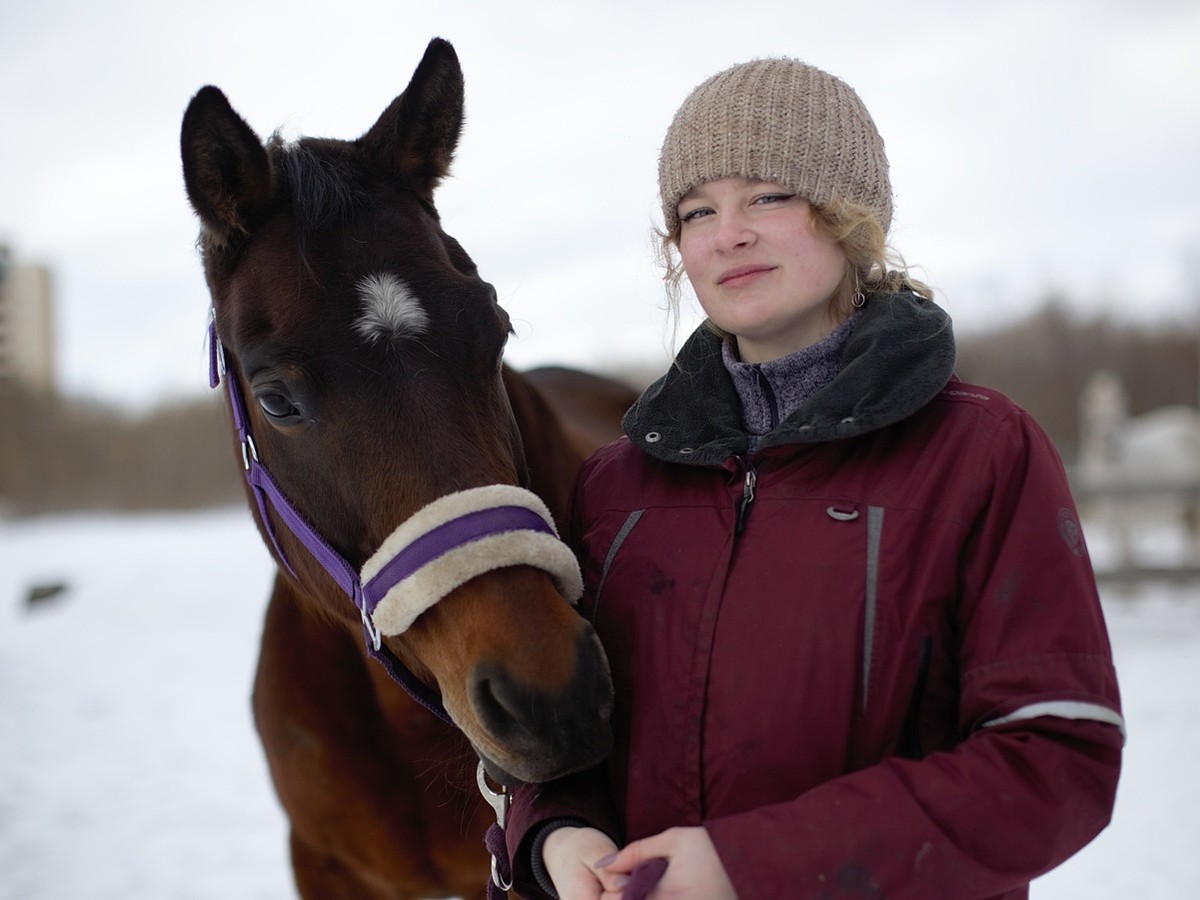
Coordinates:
x,y
313,178
321,187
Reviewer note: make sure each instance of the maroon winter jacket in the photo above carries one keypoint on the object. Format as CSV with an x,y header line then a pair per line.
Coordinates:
x,y
868,657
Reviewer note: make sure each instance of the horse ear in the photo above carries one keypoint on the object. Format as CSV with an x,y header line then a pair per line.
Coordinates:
x,y
417,134
225,166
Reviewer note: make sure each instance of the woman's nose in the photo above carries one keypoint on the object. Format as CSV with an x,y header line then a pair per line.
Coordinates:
x,y
733,231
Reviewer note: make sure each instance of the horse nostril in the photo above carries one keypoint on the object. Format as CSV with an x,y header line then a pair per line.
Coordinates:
x,y
503,708
571,721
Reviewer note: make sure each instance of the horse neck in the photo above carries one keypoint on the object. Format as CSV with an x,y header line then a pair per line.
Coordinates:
x,y
550,456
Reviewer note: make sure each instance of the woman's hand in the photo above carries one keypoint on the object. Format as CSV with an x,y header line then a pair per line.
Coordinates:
x,y
693,867
569,855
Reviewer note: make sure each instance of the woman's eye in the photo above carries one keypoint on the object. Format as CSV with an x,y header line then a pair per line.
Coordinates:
x,y
277,406
773,198
692,214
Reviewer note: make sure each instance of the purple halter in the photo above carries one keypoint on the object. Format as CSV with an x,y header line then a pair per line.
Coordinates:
x,y
416,565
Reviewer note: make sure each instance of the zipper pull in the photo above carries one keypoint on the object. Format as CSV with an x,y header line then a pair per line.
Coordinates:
x,y
747,499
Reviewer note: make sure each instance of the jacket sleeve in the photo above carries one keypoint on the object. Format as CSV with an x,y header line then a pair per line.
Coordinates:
x,y
582,799
1034,775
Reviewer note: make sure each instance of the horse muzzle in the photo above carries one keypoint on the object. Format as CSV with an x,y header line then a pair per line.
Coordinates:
x,y
535,707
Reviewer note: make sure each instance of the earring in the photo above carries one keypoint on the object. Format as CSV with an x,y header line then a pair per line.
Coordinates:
x,y
859,300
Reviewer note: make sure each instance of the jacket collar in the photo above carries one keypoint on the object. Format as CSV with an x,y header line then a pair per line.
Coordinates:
x,y
899,357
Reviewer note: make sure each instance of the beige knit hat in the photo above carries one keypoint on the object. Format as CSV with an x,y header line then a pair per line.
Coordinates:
x,y
778,120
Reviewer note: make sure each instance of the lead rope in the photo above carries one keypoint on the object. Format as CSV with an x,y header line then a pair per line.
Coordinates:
x,y
501,881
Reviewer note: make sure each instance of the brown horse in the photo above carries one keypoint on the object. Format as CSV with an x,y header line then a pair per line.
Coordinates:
x,y
363,362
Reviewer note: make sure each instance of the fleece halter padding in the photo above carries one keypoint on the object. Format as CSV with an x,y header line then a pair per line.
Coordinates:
x,y
455,538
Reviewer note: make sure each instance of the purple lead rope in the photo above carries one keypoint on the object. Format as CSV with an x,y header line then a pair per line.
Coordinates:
x,y
644,878
495,843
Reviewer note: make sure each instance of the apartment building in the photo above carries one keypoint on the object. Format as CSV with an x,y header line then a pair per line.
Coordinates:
x,y
26,323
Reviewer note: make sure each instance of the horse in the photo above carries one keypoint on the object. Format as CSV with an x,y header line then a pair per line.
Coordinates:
x,y
374,417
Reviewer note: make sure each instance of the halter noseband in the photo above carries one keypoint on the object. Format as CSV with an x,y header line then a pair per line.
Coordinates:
x,y
440,547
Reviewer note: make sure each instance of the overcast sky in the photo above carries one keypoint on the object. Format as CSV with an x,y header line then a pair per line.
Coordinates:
x,y
1036,147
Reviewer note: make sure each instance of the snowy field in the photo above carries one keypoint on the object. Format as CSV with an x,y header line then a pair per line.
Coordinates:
x,y
129,767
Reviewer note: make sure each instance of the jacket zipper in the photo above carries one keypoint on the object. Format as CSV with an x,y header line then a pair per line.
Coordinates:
x,y
769,395
747,498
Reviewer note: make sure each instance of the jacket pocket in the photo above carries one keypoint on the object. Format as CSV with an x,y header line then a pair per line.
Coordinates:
x,y
622,533
910,746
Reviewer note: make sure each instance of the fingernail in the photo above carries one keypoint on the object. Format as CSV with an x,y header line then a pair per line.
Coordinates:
x,y
604,861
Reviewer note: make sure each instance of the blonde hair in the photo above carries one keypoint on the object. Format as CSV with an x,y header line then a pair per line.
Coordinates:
x,y
872,267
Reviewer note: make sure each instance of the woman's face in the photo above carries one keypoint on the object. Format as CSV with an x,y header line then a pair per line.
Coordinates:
x,y
758,266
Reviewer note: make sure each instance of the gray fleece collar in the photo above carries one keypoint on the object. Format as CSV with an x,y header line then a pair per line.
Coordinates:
x,y
898,358
772,391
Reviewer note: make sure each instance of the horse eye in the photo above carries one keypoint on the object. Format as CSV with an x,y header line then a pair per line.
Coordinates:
x,y
278,407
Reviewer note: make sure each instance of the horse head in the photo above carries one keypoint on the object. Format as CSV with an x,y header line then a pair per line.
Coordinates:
x,y
365,353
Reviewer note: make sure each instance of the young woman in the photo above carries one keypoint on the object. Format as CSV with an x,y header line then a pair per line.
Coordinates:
x,y
851,619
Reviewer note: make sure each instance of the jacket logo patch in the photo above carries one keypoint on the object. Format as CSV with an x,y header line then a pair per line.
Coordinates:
x,y
949,392
1071,531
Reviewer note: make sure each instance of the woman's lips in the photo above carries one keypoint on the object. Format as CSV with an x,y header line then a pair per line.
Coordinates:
x,y
741,275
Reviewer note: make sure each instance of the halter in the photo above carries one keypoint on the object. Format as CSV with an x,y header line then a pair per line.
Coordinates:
x,y
442,546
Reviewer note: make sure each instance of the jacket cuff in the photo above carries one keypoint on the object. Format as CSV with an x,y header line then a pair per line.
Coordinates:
x,y
536,865
580,799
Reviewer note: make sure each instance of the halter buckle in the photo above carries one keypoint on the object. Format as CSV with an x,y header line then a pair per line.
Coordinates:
x,y
374,637
249,452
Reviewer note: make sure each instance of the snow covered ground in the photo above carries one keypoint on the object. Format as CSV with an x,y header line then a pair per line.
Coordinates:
x,y
129,767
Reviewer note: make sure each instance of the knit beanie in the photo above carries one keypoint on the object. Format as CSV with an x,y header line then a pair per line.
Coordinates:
x,y
777,120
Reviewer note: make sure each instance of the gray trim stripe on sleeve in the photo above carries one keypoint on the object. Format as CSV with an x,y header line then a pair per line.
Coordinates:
x,y
1063,709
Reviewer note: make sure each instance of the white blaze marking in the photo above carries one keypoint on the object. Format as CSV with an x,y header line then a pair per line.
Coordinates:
x,y
390,310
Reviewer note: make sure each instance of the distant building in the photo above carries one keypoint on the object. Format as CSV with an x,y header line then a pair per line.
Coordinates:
x,y
26,324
